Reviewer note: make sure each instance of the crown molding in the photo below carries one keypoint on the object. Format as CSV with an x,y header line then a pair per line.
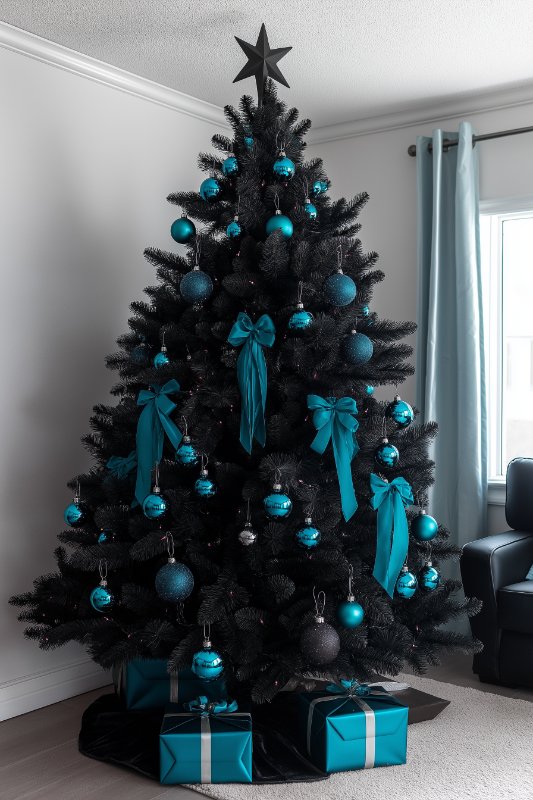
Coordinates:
x,y
56,55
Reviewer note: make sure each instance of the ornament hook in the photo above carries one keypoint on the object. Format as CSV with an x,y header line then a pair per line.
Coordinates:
x,y
276,201
339,257
102,569
350,579
300,291
320,601
156,476
185,427
170,544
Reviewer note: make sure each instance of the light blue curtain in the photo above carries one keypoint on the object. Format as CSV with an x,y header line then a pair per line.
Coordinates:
x,y
450,348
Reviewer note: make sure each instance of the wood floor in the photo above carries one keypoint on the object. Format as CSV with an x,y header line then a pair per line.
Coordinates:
x,y
39,758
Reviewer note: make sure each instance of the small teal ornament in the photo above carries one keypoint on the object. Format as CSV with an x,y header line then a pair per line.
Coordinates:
x,y
248,141
406,584
308,537
424,527
207,664
174,582
279,222
234,229
154,505
139,354
310,210
400,411
357,348
182,230
75,513
101,598
386,454
350,613
428,577
230,166
105,536
319,187
196,286
161,359
277,505
369,389
209,189
365,311
186,454
283,167
301,319
339,289
204,486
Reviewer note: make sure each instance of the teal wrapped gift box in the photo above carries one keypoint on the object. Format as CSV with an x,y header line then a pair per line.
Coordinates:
x,y
145,684
344,731
205,748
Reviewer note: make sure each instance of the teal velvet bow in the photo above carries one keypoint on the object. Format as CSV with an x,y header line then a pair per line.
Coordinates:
x,y
206,707
390,499
153,423
334,419
121,466
252,374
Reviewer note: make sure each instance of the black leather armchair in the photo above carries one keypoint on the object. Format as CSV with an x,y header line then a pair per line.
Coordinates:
x,y
494,570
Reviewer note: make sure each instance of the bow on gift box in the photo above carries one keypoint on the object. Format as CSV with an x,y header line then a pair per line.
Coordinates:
x,y
252,374
153,423
121,466
202,705
390,499
334,419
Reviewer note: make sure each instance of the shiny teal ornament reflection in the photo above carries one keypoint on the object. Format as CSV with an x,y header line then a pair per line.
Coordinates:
x,y
357,349
339,289
300,320
174,582
308,537
207,664
424,527
186,454
369,389
230,166
365,311
196,286
349,613
182,230
234,229
154,506
407,584
204,487
386,454
209,189
161,359
105,536
277,505
283,167
279,222
319,187
428,578
310,210
75,513
101,599
400,411
248,141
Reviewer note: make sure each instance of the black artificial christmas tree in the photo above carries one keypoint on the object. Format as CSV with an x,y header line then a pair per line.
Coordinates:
x,y
241,477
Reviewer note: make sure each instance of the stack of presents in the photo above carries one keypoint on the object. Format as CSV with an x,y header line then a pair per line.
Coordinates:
x,y
206,737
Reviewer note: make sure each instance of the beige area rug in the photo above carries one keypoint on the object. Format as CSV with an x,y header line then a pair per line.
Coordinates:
x,y
479,748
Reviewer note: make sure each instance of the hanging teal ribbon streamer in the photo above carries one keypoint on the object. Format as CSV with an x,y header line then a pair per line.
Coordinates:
x,y
153,423
390,499
252,374
121,466
202,705
334,419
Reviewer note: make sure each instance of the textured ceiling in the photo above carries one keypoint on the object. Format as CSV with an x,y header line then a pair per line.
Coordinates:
x,y
351,59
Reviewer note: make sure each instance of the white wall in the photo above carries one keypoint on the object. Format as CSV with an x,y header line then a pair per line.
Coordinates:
x,y
84,173
378,163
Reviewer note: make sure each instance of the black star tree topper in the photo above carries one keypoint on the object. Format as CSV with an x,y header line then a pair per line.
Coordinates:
x,y
262,62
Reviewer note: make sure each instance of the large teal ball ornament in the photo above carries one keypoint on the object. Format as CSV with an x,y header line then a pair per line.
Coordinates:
x,y
234,229
349,613
207,664
75,513
308,537
310,210
174,582
279,222
209,189
205,487
357,348
339,289
386,454
424,527
301,319
400,411
182,230
407,584
319,187
101,599
186,454
230,166
196,287
277,505
248,141
161,359
154,505
283,167
428,578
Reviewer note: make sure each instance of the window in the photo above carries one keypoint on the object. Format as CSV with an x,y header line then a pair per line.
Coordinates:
x,y
507,262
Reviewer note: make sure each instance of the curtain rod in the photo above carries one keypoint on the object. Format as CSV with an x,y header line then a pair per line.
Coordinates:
x,y
446,143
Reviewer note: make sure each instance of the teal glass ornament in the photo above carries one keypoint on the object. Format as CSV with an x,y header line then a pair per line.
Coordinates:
x,y
365,311
196,286
369,389
174,582
428,577
277,505
75,513
301,319
248,141
182,230
308,537
209,189
407,584
350,613
105,536
283,167
154,505
386,454
207,664
310,210
101,598
339,289
186,454
319,187
204,486
161,359
234,229
424,527
357,349
279,222
230,166
400,411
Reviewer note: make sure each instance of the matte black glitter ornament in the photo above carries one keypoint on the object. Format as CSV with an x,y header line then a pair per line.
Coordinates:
x,y
319,642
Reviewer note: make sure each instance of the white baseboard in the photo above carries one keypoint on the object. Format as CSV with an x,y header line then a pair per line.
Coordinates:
x,y
40,689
